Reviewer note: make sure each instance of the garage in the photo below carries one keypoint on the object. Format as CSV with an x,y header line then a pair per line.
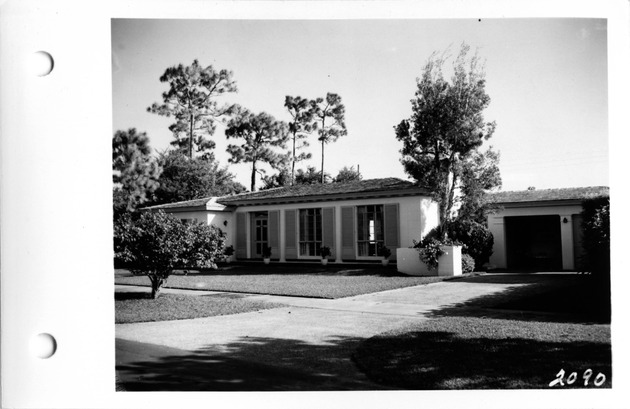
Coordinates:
x,y
539,230
533,243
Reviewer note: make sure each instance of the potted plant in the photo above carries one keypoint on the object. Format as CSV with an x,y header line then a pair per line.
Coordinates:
x,y
325,253
384,252
228,253
266,254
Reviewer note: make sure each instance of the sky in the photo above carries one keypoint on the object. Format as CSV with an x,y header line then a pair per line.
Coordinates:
x,y
547,80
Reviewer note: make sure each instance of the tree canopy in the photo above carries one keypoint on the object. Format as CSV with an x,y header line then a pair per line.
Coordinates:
x,y
192,100
348,174
445,130
259,135
310,176
330,114
186,179
135,171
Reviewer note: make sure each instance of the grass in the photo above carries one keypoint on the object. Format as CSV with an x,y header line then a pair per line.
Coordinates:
x,y
482,353
139,307
308,280
519,338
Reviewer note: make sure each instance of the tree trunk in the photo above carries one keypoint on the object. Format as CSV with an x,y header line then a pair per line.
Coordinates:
x,y
190,140
322,161
293,163
253,181
156,285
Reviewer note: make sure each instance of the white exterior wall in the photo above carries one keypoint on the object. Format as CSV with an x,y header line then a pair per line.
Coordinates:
x,y
496,224
213,218
418,215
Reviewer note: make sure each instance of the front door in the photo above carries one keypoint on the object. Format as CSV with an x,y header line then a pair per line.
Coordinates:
x,y
260,233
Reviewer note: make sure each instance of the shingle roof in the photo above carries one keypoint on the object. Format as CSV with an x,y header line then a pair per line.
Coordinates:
x,y
546,195
342,190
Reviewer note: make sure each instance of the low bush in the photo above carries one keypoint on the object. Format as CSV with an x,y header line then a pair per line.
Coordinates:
x,y
468,264
475,238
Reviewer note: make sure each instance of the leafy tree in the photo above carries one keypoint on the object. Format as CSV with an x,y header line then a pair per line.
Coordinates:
x,y
348,174
480,174
136,172
446,128
192,100
302,124
186,179
310,177
155,243
280,179
330,112
596,239
260,133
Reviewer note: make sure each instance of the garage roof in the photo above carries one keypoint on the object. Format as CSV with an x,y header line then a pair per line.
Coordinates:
x,y
547,195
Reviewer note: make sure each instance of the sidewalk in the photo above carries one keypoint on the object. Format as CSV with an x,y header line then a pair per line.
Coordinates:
x,y
310,340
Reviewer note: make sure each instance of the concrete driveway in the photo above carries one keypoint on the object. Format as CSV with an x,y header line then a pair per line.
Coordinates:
x,y
306,345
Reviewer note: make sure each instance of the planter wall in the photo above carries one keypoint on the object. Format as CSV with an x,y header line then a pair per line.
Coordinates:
x,y
449,263
408,262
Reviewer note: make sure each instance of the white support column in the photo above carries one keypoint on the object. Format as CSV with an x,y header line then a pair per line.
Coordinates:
x,y
566,237
338,234
282,240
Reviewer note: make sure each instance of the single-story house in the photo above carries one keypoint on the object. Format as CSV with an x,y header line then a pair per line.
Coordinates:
x,y
539,229
353,219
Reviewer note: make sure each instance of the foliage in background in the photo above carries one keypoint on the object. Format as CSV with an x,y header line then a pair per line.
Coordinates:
x,y
476,239
596,239
302,124
480,174
348,174
310,176
446,128
154,243
330,115
135,171
259,135
192,100
468,264
183,178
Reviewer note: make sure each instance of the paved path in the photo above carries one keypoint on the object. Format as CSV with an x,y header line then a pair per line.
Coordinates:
x,y
306,345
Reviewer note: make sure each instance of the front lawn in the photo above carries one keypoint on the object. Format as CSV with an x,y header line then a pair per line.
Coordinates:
x,y
140,307
518,338
482,353
309,280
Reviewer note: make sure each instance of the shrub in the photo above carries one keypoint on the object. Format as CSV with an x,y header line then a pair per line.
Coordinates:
x,y
154,243
429,248
325,251
475,238
596,240
468,264
266,252
383,251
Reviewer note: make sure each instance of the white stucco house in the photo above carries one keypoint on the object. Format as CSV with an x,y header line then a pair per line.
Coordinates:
x,y
353,219
539,229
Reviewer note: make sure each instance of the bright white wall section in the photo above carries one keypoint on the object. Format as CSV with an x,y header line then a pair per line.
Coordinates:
x,y
496,224
417,216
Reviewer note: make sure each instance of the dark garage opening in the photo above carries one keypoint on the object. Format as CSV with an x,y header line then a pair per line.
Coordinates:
x,y
533,243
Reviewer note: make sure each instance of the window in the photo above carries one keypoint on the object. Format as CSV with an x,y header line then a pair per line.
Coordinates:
x,y
310,232
370,231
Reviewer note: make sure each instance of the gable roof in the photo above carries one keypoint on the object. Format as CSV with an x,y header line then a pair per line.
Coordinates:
x,y
549,195
328,191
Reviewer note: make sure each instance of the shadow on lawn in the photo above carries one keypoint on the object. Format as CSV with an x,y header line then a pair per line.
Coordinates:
x,y
439,360
547,298
251,364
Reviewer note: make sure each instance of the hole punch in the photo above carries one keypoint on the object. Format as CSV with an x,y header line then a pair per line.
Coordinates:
x,y
41,63
43,346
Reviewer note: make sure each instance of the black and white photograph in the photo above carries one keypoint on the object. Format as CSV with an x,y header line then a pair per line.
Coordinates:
x,y
322,205
314,204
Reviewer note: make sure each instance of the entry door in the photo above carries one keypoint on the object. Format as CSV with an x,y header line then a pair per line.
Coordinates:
x,y
260,233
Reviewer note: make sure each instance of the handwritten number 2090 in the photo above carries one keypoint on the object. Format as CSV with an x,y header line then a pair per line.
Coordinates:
x,y
599,379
